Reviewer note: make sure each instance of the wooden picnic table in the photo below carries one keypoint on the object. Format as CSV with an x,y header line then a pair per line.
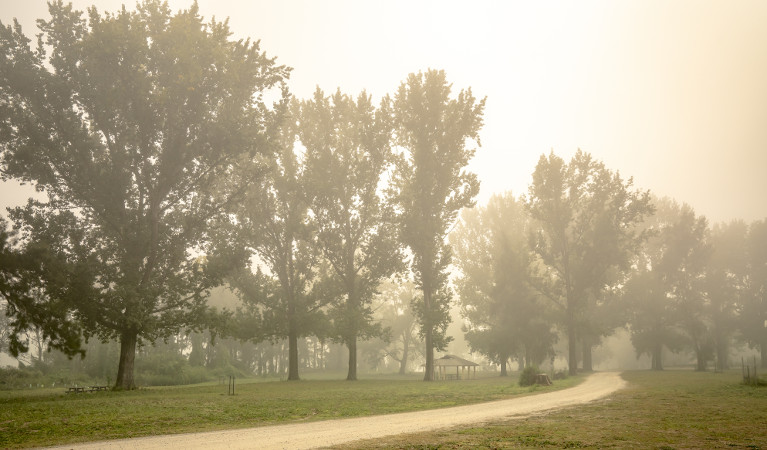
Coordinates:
x,y
78,389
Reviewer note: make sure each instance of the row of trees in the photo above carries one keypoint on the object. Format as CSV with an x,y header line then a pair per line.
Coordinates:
x,y
167,172
584,254
203,356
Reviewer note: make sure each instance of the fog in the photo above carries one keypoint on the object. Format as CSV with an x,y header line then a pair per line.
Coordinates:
x,y
672,94
669,95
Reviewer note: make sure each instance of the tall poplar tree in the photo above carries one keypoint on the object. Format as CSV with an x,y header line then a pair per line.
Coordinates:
x,y
433,132
274,225
129,125
348,152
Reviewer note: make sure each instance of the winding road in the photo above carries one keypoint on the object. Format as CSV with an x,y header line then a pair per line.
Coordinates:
x,y
331,432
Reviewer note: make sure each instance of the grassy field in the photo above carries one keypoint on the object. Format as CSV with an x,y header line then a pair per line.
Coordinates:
x,y
48,416
664,410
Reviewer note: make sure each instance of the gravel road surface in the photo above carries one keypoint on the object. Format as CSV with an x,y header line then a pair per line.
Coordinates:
x,y
332,432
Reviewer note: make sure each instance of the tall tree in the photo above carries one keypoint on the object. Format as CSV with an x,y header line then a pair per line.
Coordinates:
x,y
724,282
505,316
432,131
753,316
653,316
348,153
588,216
686,251
274,225
129,126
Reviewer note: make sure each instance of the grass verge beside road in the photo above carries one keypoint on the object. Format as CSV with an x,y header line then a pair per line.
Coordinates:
x,y
669,409
50,417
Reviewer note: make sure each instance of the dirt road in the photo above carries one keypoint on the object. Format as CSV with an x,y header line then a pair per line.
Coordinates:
x,y
332,432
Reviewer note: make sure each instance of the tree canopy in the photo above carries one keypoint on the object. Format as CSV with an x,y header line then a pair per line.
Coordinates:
x,y
348,154
588,216
505,316
432,184
128,126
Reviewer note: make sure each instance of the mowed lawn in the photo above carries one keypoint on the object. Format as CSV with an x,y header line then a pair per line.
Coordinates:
x,y
658,410
48,416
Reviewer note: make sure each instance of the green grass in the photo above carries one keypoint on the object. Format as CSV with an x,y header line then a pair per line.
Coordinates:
x,y
664,410
49,417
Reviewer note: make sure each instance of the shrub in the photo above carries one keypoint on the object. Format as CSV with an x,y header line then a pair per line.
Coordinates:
x,y
527,377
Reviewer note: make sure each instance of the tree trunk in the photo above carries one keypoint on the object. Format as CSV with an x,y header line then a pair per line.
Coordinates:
x,y
504,360
587,360
352,375
428,329
763,351
722,354
125,379
572,354
657,357
429,372
701,361
293,356
403,361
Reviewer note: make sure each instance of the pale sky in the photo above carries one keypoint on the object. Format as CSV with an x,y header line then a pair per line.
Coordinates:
x,y
673,93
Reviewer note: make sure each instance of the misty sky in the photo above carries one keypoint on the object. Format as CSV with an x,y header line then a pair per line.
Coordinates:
x,y
673,93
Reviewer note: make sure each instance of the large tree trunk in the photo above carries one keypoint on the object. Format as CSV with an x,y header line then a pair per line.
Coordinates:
x,y
429,372
125,379
352,375
587,360
504,360
428,329
657,357
293,356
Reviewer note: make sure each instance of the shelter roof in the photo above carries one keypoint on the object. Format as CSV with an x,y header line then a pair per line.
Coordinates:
x,y
452,361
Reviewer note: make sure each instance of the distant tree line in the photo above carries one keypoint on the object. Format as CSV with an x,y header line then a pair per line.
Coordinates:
x,y
167,174
582,254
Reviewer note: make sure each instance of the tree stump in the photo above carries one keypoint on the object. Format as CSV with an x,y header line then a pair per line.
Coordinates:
x,y
543,379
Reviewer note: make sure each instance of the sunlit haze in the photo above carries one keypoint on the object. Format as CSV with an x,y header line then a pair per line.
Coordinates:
x,y
671,93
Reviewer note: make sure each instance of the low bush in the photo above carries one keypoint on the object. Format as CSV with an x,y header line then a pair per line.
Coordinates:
x,y
527,377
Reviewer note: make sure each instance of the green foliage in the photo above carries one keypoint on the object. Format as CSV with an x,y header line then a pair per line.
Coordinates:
x,y
527,376
348,154
588,235
431,185
273,224
24,302
132,126
505,316
754,313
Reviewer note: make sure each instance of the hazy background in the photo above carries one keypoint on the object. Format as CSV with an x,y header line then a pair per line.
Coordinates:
x,y
671,93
